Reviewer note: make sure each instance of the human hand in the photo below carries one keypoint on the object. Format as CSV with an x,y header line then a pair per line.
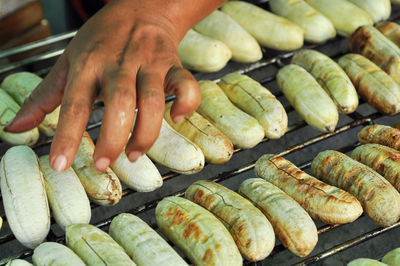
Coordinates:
x,y
127,55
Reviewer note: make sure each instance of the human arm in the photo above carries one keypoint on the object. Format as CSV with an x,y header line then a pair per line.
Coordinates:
x,y
126,54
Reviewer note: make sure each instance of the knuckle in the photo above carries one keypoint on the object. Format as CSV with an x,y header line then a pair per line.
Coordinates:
x,y
153,98
76,108
123,97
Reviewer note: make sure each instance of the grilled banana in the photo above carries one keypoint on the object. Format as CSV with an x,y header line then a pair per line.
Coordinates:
x,y
308,98
384,160
243,130
257,101
24,196
249,228
20,86
67,197
8,110
391,30
380,200
380,134
293,226
379,10
52,253
197,233
317,28
345,16
365,262
215,145
201,53
270,30
330,77
322,201
176,152
373,84
141,175
372,44
95,247
102,188
142,243
392,258
222,27
18,262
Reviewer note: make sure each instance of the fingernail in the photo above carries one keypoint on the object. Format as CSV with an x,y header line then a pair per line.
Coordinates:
x,y
178,118
134,155
60,163
102,163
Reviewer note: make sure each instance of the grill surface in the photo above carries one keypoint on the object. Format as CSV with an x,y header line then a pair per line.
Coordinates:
x,y
337,244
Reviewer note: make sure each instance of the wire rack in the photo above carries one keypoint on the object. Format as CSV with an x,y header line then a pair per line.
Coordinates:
x,y
337,243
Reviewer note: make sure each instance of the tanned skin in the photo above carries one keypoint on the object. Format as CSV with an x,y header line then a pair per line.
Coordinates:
x,y
126,54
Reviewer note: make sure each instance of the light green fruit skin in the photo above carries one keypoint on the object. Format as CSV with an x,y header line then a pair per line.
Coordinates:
x,y
197,233
52,253
251,97
67,197
292,225
201,53
345,16
18,262
142,243
392,258
268,29
215,145
252,232
24,196
95,247
331,77
365,262
176,152
141,175
104,188
379,10
8,110
308,98
19,86
242,129
317,28
374,85
222,27
380,200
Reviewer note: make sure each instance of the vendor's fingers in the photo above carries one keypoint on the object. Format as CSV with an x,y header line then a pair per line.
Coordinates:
x,y
43,100
75,111
150,104
181,82
119,91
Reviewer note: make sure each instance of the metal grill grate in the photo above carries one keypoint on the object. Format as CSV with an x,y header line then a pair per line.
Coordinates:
x,y
337,243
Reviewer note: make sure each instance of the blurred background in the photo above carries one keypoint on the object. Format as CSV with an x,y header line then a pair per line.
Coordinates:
x,y
23,21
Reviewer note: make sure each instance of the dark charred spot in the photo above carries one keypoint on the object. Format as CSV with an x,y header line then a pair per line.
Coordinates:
x,y
248,243
192,229
178,216
208,256
199,194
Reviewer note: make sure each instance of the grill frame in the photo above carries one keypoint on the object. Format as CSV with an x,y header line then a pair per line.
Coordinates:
x,y
270,63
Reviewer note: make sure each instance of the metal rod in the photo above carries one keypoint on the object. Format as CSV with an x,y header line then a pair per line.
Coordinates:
x,y
31,60
37,44
347,244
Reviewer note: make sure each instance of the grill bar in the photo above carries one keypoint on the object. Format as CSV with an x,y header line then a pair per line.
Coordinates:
x,y
348,244
219,178
357,119
37,44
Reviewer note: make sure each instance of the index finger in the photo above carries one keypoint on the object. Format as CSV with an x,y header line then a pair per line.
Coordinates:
x,y
75,110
